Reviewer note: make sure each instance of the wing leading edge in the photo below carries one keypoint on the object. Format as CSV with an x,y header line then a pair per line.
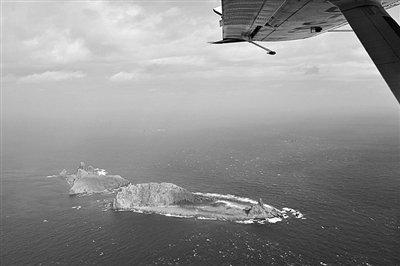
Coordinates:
x,y
380,36
282,20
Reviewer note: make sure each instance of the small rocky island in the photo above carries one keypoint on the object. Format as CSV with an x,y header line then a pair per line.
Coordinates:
x,y
88,180
172,200
168,199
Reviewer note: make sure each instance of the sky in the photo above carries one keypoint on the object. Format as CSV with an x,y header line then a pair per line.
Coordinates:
x,y
147,65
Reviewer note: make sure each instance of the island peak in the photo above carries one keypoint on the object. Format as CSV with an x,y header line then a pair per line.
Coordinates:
x,y
88,180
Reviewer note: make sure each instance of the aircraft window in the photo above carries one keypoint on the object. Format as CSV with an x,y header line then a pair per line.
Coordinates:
x,y
316,29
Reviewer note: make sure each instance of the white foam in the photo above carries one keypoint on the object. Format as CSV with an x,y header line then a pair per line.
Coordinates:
x,y
176,215
262,221
159,213
245,222
231,204
129,210
226,196
294,212
206,218
77,207
51,176
138,211
230,197
274,220
100,171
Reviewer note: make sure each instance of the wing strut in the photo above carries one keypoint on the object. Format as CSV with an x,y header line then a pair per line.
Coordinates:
x,y
379,34
270,52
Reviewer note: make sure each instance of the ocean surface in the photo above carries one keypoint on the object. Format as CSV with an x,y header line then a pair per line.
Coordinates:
x,y
343,175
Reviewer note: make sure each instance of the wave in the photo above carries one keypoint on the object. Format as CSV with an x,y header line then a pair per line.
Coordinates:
x,y
297,214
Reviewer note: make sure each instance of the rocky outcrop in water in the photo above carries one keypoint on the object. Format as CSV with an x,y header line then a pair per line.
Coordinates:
x,y
151,195
261,211
170,199
90,180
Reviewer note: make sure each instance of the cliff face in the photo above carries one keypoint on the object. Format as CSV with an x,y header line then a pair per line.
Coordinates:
x,y
151,195
91,181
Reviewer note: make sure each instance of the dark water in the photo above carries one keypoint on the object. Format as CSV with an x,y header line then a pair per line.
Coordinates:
x,y
344,177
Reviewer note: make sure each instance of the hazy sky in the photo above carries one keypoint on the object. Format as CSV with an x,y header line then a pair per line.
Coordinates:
x,y
149,64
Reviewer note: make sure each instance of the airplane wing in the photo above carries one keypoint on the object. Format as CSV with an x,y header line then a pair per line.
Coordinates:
x,y
283,20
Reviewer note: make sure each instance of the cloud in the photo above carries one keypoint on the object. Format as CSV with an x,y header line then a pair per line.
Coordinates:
x,y
49,76
122,76
59,47
147,41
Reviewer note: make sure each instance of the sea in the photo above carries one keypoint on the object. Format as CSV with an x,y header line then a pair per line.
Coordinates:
x,y
342,175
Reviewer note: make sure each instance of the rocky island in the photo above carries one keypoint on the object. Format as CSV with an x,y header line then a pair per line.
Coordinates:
x,y
169,199
88,180
172,200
